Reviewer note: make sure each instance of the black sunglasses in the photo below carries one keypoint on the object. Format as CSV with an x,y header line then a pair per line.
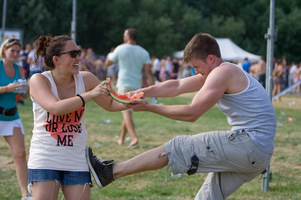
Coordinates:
x,y
12,40
73,53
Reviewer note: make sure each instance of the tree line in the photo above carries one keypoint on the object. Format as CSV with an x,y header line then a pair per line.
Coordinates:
x,y
164,26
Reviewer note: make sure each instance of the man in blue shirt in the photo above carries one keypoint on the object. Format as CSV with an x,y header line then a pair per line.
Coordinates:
x,y
132,60
246,64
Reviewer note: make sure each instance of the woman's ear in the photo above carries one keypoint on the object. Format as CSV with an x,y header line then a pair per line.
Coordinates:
x,y
3,51
55,59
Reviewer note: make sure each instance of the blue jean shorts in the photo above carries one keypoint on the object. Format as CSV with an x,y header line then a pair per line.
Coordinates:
x,y
65,178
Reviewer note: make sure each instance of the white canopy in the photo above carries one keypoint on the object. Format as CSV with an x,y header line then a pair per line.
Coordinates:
x,y
229,51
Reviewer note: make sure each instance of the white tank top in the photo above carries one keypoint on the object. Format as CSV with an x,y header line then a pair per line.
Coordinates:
x,y
252,110
59,142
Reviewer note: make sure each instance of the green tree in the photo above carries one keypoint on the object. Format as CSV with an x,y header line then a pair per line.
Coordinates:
x,y
37,17
163,26
289,28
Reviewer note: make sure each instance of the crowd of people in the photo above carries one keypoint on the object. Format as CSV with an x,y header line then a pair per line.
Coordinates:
x,y
163,68
64,76
168,67
284,74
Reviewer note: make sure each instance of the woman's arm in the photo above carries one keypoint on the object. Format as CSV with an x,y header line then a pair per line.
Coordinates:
x,y
100,93
40,91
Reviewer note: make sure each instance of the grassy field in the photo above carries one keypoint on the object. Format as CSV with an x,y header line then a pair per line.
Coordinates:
x,y
154,130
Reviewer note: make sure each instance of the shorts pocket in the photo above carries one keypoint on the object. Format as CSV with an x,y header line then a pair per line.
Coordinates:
x,y
256,159
206,149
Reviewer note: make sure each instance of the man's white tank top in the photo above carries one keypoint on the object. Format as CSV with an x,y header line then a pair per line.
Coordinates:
x,y
58,142
251,110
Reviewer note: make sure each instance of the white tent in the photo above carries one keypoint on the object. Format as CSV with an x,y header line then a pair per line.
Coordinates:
x,y
229,51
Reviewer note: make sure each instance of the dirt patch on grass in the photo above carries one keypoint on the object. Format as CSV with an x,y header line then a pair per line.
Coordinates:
x,y
6,163
289,101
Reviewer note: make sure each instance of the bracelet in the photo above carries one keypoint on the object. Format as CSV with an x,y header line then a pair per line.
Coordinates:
x,y
83,100
4,89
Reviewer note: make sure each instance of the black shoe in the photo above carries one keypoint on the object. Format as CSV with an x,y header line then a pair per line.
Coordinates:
x,y
101,170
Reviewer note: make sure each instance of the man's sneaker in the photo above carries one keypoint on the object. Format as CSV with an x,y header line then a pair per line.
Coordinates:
x,y
101,170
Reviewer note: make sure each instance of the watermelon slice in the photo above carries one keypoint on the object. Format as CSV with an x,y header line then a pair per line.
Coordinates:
x,y
123,98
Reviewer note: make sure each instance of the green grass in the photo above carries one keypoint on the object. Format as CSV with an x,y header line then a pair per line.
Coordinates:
x,y
153,130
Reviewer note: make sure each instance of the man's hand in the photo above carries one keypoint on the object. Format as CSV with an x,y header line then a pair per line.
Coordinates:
x,y
139,104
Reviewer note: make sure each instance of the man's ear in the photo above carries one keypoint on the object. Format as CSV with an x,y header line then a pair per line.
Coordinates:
x,y
210,58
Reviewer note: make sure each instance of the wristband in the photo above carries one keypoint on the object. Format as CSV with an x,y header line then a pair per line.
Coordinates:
x,y
5,89
83,100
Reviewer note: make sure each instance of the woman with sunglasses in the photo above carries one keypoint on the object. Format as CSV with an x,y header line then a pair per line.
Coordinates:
x,y
57,150
10,123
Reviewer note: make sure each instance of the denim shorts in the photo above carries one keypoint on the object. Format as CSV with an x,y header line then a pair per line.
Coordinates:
x,y
65,178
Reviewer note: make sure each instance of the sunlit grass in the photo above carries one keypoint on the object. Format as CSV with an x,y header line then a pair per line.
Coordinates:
x,y
153,130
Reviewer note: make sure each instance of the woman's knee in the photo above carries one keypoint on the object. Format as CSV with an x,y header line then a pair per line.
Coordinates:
x,y
81,192
19,154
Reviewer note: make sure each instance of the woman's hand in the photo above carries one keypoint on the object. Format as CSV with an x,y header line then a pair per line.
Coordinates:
x,y
12,87
101,89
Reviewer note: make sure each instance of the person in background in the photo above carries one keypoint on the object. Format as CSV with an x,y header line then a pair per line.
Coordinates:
x,y
246,64
90,58
100,70
162,73
59,95
83,61
168,67
254,70
112,70
23,59
230,157
185,70
132,60
10,123
155,67
35,64
285,74
262,71
23,62
297,78
292,74
278,78
174,69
